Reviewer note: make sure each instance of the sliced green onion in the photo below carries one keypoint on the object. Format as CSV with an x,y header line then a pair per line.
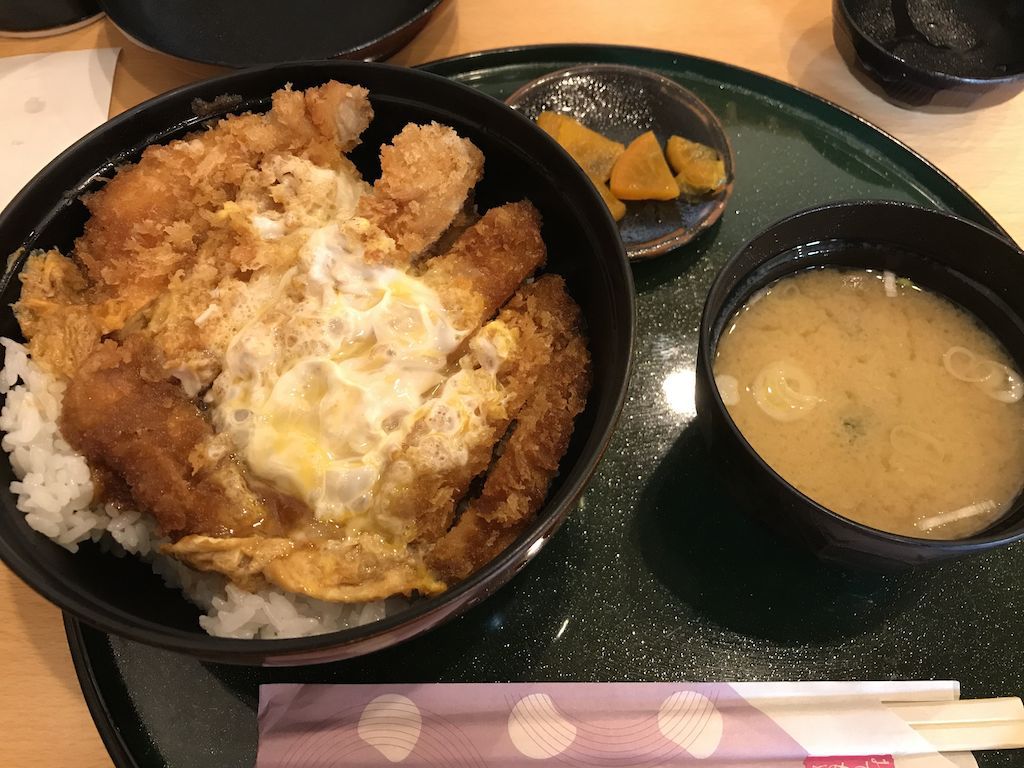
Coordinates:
x,y
1004,385
961,363
995,379
784,391
889,283
906,439
971,510
728,388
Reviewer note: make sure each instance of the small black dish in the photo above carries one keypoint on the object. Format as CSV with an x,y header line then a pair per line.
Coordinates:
x,y
958,259
621,102
916,48
121,595
247,33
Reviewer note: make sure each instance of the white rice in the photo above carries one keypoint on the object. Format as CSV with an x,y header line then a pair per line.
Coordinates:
x,y
54,491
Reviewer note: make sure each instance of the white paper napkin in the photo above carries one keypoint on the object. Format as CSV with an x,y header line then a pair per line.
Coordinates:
x,y
50,100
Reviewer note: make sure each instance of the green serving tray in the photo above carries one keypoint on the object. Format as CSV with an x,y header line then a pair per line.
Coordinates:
x,y
655,576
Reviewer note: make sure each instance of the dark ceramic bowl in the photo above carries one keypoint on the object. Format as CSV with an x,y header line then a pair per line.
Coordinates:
x,y
42,18
951,256
249,33
914,49
121,595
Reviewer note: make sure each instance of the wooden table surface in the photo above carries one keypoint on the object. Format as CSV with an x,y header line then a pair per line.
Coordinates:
x,y
43,718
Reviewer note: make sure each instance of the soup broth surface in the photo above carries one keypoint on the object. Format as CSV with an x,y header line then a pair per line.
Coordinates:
x,y
883,402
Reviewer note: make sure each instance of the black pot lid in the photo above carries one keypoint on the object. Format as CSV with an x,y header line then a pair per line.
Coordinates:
x,y
244,33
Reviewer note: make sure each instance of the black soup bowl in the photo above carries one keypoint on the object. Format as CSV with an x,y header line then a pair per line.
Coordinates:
x,y
950,256
916,50
121,595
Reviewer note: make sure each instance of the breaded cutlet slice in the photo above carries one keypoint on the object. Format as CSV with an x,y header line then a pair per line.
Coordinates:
x,y
452,441
427,172
517,482
151,219
486,264
153,442
421,488
193,320
155,220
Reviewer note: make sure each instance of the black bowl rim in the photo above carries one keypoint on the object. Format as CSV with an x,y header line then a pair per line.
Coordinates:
x,y
449,603
679,236
375,48
975,543
931,78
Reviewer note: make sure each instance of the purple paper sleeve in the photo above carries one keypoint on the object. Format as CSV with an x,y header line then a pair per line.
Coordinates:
x,y
606,725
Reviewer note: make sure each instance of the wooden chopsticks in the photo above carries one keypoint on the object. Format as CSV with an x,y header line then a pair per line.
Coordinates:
x,y
966,724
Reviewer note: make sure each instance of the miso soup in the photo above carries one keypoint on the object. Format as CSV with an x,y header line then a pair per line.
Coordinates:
x,y
883,402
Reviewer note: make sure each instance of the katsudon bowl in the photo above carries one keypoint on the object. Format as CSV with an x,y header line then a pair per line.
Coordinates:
x,y
973,267
121,595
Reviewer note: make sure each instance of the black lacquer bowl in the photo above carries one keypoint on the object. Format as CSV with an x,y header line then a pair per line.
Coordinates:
x,y
916,49
951,256
122,596
249,33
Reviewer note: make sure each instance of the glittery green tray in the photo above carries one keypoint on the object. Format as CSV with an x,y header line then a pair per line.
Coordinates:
x,y
656,576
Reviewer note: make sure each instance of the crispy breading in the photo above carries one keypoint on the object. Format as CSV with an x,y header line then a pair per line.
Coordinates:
x,y
422,485
232,227
426,174
151,219
517,482
154,440
178,224
544,382
333,114
192,322
487,263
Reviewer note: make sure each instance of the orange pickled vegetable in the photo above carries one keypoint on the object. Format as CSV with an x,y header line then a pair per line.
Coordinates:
x,y
641,173
595,153
700,170
616,206
552,122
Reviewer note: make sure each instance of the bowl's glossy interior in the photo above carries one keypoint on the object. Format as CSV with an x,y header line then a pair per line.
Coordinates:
x,y
621,102
121,595
914,49
966,263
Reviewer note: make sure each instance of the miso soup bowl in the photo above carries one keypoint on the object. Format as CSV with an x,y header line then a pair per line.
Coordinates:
x,y
966,263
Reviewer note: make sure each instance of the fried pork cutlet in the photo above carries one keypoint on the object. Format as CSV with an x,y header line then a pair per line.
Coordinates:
x,y
160,217
151,219
421,488
517,482
190,289
191,331
149,438
487,263
429,475
426,174
234,229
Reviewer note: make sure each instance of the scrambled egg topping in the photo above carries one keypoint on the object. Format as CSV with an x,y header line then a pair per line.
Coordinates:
x,y
322,386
